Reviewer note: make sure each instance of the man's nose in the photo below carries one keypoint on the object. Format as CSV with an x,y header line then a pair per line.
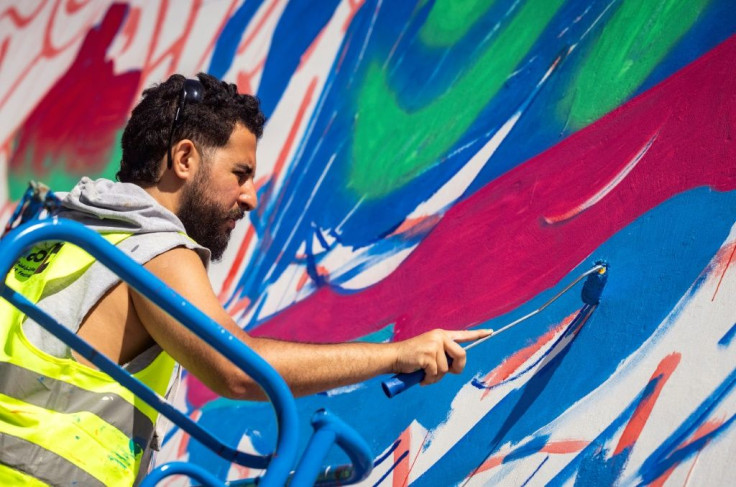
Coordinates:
x,y
248,195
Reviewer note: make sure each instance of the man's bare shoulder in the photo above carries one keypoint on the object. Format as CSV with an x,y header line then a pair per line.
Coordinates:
x,y
178,262
182,270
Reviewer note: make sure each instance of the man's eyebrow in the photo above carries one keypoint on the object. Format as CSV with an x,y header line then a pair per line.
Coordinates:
x,y
245,166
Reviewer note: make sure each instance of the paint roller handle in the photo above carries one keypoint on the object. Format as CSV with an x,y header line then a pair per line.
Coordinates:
x,y
400,382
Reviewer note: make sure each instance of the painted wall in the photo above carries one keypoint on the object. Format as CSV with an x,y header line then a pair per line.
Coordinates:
x,y
447,164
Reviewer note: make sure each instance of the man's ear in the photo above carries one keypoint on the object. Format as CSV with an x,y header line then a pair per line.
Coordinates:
x,y
185,159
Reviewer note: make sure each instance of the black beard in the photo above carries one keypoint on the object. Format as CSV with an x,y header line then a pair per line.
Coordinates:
x,y
204,219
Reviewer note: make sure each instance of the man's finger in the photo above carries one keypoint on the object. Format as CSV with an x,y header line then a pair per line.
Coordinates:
x,y
430,373
442,365
462,336
457,354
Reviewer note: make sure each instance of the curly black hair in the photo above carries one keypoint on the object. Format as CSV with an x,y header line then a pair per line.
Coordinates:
x,y
208,123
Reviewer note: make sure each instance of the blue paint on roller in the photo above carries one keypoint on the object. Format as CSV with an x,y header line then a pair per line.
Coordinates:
x,y
594,284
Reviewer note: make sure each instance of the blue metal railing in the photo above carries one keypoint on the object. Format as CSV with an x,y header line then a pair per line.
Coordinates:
x,y
328,429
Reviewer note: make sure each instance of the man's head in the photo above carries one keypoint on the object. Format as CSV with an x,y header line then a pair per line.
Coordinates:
x,y
208,123
210,183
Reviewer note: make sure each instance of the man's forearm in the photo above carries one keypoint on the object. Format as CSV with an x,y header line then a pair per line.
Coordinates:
x,y
310,368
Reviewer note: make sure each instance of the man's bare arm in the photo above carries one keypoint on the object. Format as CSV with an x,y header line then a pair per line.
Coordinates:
x,y
307,368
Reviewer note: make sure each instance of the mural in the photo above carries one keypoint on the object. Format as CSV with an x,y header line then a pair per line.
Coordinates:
x,y
446,164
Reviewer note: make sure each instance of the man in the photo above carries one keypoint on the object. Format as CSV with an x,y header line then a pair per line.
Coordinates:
x,y
189,159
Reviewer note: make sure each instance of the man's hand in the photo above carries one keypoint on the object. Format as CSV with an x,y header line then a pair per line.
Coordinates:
x,y
431,350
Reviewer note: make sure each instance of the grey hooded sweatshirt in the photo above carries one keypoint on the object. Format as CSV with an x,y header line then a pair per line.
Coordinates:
x,y
107,206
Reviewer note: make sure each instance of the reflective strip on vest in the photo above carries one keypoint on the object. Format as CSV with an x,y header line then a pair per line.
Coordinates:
x,y
10,476
60,420
63,397
82,439
46,466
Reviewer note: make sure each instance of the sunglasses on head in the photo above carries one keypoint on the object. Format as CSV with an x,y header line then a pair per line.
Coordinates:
x,y
191,92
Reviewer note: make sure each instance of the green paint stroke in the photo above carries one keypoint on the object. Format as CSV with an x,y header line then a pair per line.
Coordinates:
x,y
638,36
450,20
392,146
58,178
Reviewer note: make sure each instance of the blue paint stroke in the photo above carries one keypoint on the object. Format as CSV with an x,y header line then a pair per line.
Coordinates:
x,y
671,452
642,252
728,337
526,482
298,27
383,477
229,40
593,465
331,125
529,448
383,457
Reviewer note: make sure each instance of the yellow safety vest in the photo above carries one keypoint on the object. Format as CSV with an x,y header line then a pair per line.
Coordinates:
x,y
61,422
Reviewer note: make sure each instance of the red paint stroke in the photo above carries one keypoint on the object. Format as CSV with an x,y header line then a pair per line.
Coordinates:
x,y
564,447
692,467
259,26
240,255
660,481
561,447
345,49
401,467
322,271
17,18
492,462
723,265
241,471
130,27
705,429
302,281
181,451
73,6
4,50
491,253
414,461
76,123
244,77
48,50
244,244
239,306
281,160
6,211
639,419
355,5
416,226
515,361
215,37
306,56
176,48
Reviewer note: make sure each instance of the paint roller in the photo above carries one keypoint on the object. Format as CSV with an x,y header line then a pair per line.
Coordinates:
x,y
590,294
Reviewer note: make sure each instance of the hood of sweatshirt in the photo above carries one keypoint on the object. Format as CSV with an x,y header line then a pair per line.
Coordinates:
x,y
105,206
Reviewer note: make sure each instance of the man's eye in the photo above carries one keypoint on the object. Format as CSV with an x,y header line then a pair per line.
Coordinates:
x,y
243,175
